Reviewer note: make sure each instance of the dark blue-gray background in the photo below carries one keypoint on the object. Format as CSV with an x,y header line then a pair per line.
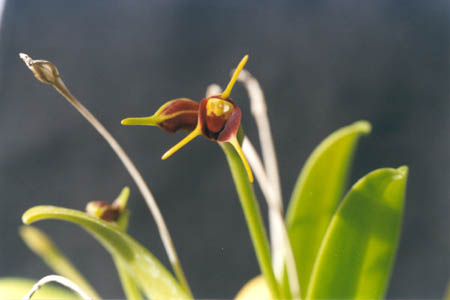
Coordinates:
x,y
322,65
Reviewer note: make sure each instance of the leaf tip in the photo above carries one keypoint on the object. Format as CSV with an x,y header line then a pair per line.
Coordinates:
x,y
26,217
30,215
363,126
402,172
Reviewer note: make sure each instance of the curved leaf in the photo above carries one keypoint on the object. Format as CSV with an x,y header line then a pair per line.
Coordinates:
x,y
357,253
316,195
152,277
17,288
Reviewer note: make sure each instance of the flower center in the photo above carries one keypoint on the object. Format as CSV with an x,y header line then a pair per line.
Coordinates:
x,y
219,108
218,112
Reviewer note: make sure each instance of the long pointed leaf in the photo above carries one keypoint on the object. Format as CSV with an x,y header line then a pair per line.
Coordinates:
x,y
316,195
356,257
152,277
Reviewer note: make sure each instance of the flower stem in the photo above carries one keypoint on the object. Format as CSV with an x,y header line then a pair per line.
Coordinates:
x,y
47,72
282,254
137,177
253,217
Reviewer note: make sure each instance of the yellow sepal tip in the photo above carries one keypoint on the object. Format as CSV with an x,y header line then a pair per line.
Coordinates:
x,y
196,132
235,143
149,121
226,93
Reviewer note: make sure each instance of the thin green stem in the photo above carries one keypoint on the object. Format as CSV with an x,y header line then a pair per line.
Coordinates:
x,y
252,216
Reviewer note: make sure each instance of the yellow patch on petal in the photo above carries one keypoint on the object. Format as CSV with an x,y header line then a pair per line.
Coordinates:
x,y
218,107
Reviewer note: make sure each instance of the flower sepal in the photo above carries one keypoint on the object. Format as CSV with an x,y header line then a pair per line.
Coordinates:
x,y
174,115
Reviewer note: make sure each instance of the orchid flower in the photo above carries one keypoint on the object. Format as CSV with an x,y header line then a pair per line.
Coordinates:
x,y
216,117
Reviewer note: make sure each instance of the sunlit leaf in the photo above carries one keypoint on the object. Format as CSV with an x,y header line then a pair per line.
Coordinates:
x,y
153,278
356,257
316,195
255,289
17,288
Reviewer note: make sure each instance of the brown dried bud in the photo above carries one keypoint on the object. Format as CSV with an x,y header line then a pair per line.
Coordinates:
x,y
43,70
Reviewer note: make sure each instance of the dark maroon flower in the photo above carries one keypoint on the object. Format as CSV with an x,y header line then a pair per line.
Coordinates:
x,y
217,118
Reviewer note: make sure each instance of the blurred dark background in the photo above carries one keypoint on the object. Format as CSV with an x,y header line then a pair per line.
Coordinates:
x,y
322,65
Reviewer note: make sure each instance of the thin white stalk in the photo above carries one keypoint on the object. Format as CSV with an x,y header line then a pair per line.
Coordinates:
x,y
46,72
259,110
257,166
213,89
2,8
281,247
59,279
277,218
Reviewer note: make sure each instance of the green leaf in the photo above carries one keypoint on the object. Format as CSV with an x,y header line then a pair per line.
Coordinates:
x,y
128,283
254,289
153,278
46,249
316,195
356,256
17,288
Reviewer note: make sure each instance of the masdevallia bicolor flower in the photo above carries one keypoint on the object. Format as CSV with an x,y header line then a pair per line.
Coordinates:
x,y
217,118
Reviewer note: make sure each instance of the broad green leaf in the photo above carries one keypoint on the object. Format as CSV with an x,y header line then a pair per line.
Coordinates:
x,y
17,288
316,195
153,278
356,256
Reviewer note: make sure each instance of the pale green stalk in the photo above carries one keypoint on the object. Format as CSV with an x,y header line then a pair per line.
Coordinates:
x,y
253,217
282,254
249,203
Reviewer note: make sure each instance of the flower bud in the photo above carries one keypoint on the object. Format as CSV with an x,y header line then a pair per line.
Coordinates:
x,y
110,212
103,210
174,115
43,70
